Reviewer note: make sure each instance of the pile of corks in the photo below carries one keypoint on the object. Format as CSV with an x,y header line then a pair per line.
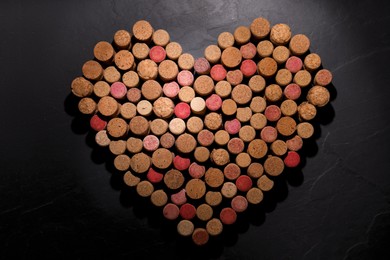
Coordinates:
x,y
203,138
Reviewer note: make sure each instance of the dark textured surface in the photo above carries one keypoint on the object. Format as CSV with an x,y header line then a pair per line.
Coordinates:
x,y
60,199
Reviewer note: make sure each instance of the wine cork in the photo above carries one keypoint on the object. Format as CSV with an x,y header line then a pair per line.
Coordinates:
x,y
92,70
318,96
292,91
239,203
212,53
171,211
258,104
214,227
221,137
101,89
223,89
160,37
255,170
201,154
104,52
196,170
225,40
242,35
248,68
195,189
302,78
163,107
305,130
299,44
204,85
286,126
229,107
117,127
153,176
134,145
257,148
186,94
185,143
248,51
185,228
158,126
260,28
82,87
258,121
159,198
294,64
231,57
181,163
122,40
194,124
124,60
241,94
312,62
254,196
144,189
323,77
295,143
162,158
179,198
220,157
139,125
273,165
273,92
232,171
140,50
218,72
244,114
168,70
142,30
214,177
213,198
247,133
280,34
288,107
185,78
187,211
134,95
88,106
111,74
205,137
182,110
229,190
234,77
235,145
171,89
228,216
157,54
204,212
265,48
264,183
151,90
198,106
200,236
272,113
214,102
167,140
122,162
256,83
186,61
267,67
147,69
117,147
279,147
174,179
243,160
307,111
269,134
130,180
213,121
283,77
292,159
232,126
140,163
102,139
177,126
281,54
174,50
151,143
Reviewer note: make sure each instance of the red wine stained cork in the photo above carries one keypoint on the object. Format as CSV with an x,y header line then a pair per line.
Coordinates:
x,y
196,170
118,90
174,50
223,89
163,107
171,89
201,154
144,189
157,54
158,126
212,53
182,110
160,37
88,106
312,62
307,111
247,133
171,211
162,158
198,106
258,121
173,179
130,180
153,176
185,228
142,30
213,198
205,137
228,190
124,60
248,51
292,91
134,145
241,94
294,64
305,130
194,124
168,70
302,78
225,40
280,34
186,94
228,216
213,121
214,177
258,104
231,57
239,203
267,67
220,157
108,106
159,198
254,196
269,134
299,44
272,113
185,143
257,148
260,28
104,52
140,51
264,183
147,69
234,77
281,54
101,89
218,72
232,171
221,137
323,77
140,163
256,83
200,236
214,102
111,74
82,87
242,35
102,139
279,147
232,126
214,227
122,40
295,143
243,160
244,114
167,140
286,126
117,147
185,78
186,61
179,198
235,145
92,70
244,183
255,170
273,92
292,159
265,48
204,212
195,189
134,95
187,211
151,143
283,77
318,96
248,68
139,125
204,85
273,165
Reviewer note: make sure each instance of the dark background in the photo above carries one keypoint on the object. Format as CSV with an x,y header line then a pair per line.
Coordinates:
x,y
60,199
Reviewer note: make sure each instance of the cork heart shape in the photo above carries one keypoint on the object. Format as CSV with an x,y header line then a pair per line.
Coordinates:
x,y
204,138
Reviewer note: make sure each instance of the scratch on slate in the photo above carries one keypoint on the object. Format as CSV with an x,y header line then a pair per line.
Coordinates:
x,y
322,175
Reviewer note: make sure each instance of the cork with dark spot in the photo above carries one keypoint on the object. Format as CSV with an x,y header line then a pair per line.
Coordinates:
x,y
168,70
267,67
288,107
204,85
302,78
186,61
281,54
212,53
273,165
130,180
117,127
264,183
220,157
213,198
134,145
204,212
159,198
244,114
185,227
122,162
140,163
318,96
312,62
174,179
231,57
213,121
142,31
229,107
139,125
299,44
242,35
124,60
174,50
144,189
87,106
200,236
307,111
305,130
241,94
167,140
257,148
185,143
260,28
111,74
214,227
144,108
280,34
201,154
140,50
147,69
82,87
104,52
255,170
117,147
163,107
247,133
256,83
229,190
265,48
279,147
258,121
122,40
92,70
225,40
254,196
286,126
